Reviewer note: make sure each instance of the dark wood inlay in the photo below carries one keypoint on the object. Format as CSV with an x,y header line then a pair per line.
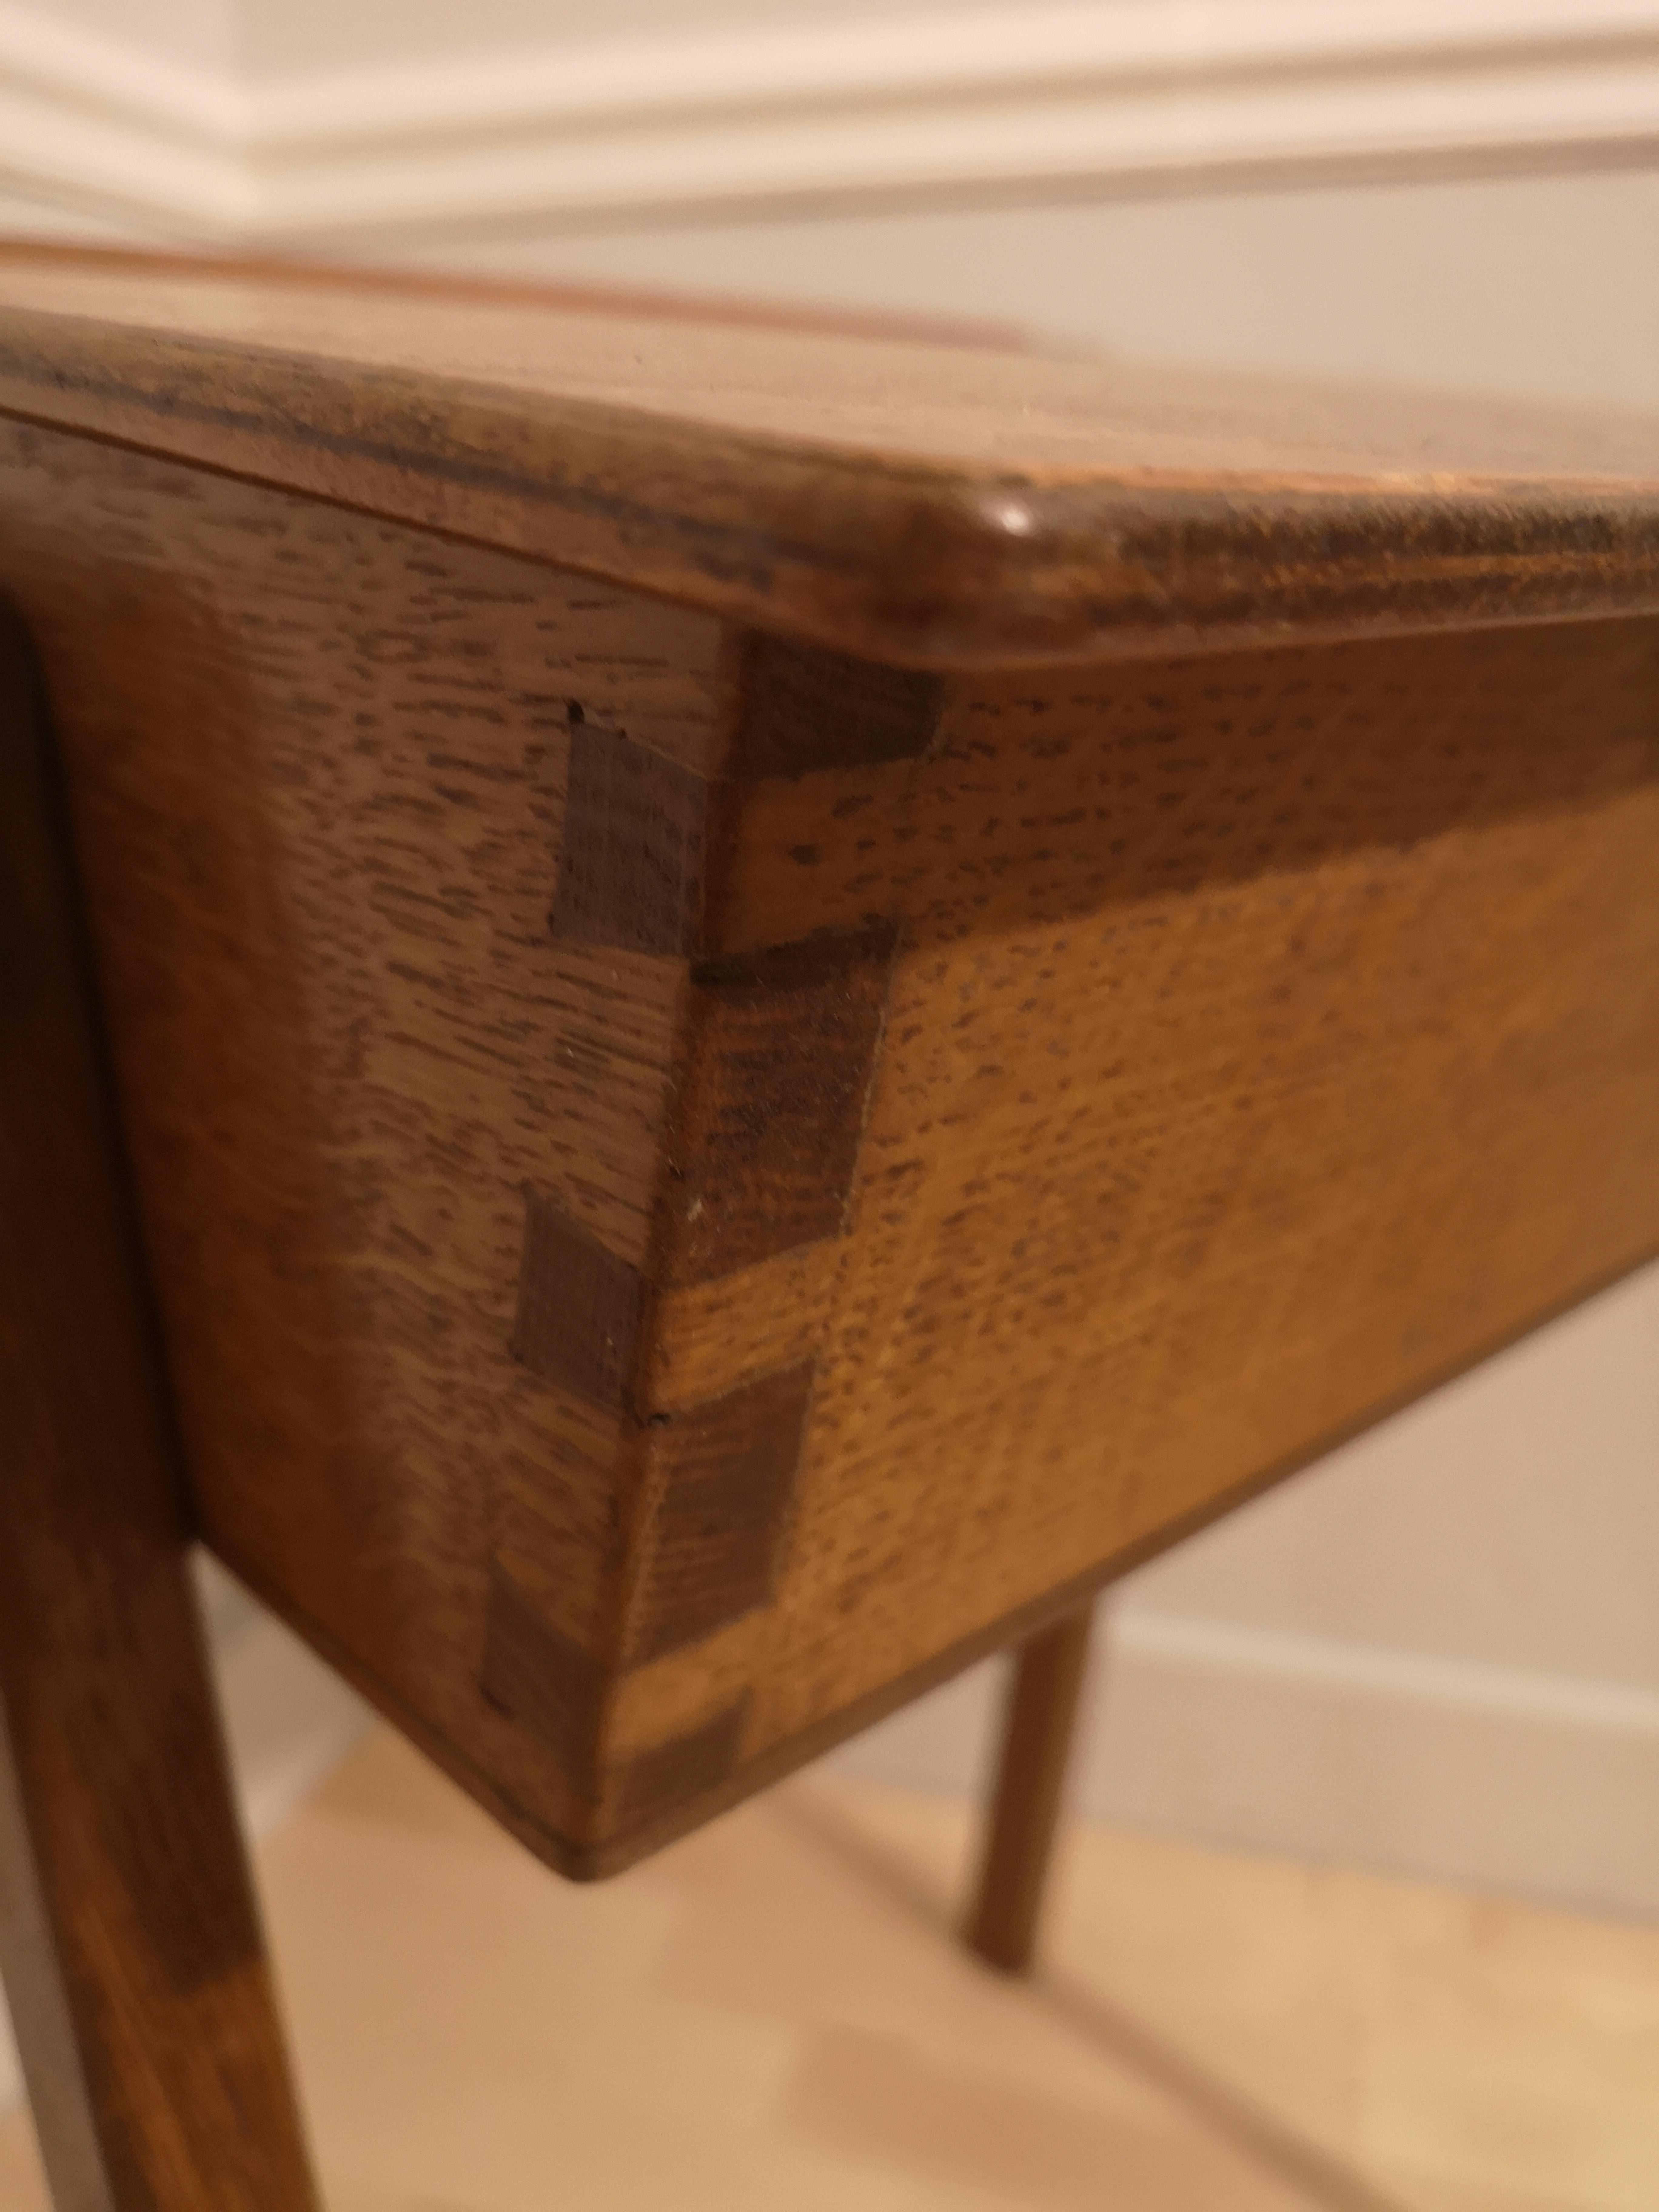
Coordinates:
x,y
807,708
577,1321
631,862
659,1779
544,1679
554,1689
784,1045
723,1480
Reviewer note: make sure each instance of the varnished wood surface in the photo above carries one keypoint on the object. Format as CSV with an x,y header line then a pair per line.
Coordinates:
x,y
695,1181
133,1960
1039,1723
909,502
317,758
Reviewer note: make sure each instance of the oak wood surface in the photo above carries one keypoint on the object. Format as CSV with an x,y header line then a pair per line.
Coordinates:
x,y
132,1955
908,501
695,1181
1039,1721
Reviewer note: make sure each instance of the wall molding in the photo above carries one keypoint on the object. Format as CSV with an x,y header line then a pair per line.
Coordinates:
x,y
111,129
1248,1650
1489,1778
1486,1777
1132,95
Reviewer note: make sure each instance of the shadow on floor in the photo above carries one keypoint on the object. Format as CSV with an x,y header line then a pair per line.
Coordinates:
x,y
1238,2121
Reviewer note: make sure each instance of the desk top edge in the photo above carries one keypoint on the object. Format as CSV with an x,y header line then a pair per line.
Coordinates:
x,y
932,497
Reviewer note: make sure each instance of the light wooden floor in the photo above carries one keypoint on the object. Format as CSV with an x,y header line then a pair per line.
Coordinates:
x,y
771,2017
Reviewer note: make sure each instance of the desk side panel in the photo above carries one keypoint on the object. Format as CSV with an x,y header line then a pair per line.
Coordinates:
x,y
319,767
1268,1037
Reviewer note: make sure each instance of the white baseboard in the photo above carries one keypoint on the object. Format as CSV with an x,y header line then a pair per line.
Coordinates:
x,y
1137,94
1489,1778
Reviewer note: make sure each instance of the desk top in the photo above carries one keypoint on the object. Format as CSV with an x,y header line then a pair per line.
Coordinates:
x,y
942,500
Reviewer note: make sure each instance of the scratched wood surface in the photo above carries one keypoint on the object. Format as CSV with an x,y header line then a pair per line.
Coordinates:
x,y
910,502
695,1181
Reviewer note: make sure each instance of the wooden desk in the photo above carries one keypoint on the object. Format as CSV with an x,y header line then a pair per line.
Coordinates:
x,y
778,997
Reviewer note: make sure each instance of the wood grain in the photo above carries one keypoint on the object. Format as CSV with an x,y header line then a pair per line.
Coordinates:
x,y
318,765
659,1260
780,1049
557,1692
631,855
1247,1057
722,1480
806,709
580,1308
132,1950
901,502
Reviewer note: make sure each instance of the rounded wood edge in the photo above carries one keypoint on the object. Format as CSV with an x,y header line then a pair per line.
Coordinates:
x,y
910,561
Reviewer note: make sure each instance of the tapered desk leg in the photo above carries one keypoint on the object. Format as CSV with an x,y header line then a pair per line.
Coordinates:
x,y
129,1941
1036,1744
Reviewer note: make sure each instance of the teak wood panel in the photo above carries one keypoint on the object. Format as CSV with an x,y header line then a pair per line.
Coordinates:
x,y
694,1180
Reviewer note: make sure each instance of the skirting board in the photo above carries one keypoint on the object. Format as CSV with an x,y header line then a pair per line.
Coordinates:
x,y
1138,95
1483,1777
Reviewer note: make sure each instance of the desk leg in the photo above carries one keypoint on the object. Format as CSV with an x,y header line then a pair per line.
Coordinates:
x,y
130,1940
1036,1744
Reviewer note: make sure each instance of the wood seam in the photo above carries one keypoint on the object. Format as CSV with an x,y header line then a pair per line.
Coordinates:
x,y
815,699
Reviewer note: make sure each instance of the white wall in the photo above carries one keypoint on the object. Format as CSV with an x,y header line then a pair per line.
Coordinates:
x,y
1540,286
1441,1650
303,35
198,33
347,123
